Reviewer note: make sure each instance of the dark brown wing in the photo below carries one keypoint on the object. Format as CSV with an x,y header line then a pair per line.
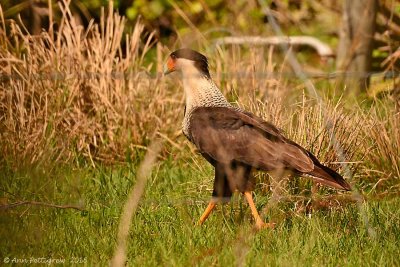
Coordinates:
x,y
226,135
264,125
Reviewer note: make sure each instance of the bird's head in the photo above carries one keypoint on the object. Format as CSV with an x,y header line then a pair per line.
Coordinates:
x,y
186,59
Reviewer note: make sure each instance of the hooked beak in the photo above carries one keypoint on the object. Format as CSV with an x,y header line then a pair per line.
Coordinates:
x,y
169,66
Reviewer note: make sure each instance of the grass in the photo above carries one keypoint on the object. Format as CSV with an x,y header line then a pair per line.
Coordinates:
x,y
163,230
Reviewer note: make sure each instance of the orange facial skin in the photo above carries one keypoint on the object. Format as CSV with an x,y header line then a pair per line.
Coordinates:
x,y
171,64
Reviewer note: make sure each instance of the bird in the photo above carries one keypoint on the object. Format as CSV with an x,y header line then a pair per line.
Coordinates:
x,y
236,142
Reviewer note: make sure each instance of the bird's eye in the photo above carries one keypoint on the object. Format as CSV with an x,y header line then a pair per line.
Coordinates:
x,y
173,56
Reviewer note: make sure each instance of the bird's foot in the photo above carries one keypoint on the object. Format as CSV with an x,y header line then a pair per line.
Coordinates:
x,y
263,225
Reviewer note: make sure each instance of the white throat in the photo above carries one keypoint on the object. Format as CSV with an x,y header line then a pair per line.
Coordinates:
x,y
200,91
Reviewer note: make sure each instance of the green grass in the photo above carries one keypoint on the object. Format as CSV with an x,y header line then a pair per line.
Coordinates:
x,y
163,231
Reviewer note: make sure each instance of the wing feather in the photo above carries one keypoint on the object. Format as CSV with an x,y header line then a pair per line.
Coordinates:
x,y
225,134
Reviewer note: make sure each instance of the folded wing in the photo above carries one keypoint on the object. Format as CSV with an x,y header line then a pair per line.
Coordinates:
x,y
226,135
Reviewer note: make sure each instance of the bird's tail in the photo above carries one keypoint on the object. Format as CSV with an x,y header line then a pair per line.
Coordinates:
x,y
329,177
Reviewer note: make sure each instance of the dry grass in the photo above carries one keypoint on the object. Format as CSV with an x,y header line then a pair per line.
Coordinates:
x,y
383,159
78,91
87,92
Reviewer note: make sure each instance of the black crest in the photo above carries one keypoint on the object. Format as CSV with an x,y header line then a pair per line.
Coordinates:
x,y
200,61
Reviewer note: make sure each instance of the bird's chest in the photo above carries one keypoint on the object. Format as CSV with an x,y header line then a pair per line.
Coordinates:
x,y
186,126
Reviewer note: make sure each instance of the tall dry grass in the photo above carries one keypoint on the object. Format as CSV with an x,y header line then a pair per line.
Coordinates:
x,y
381,128
78,90
88,92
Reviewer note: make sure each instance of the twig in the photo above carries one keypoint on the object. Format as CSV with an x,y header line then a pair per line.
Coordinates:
x,y
35,203
322,49
132,203
169,140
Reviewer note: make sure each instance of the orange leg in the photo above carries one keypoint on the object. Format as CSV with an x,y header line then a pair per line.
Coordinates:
x,y
207,212
259,222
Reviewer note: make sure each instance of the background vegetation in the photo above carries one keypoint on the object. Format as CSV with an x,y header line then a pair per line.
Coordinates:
x,y
81,100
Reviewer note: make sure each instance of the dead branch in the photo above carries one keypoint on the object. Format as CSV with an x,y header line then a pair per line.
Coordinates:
x,y
43,204
322,49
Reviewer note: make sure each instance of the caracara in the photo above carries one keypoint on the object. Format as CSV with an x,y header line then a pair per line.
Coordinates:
x,y
237,142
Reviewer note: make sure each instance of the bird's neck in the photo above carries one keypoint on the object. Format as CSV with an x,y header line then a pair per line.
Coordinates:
x,y
201,91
